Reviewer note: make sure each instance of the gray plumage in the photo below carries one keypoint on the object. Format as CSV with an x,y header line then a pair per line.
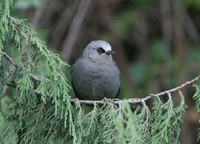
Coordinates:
x,y
95,75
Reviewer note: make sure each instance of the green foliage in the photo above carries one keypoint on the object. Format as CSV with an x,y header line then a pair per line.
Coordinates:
x,y
197,100
40,104
165,121
95,126
39,109
124,123
130,125
197,97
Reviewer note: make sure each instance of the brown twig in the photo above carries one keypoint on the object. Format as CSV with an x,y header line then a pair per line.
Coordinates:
x,y
139,100
173,89
147,117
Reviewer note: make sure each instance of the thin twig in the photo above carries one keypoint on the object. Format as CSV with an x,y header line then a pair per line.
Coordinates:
x,y
38,79
13,69
9,58
173,89
13,63
139,100
147,117
11,85
35,78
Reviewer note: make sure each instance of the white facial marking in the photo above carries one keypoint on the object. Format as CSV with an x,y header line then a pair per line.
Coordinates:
x,y
92,47
100,43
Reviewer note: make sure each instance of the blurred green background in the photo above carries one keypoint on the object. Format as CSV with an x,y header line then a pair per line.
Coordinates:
x,y
157,42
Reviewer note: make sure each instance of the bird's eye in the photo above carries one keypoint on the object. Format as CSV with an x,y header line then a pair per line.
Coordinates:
x,y
100,50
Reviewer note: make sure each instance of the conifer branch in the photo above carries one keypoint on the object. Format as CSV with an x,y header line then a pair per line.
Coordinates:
x,y
11,84
35,78
173,89
147,117
9,58
138,100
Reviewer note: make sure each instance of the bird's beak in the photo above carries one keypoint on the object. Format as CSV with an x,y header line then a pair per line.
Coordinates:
x,y
110,52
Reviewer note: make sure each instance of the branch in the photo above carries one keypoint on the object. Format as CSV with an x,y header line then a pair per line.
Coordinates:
x,y
9,58
147,117
35,78
137,100
174,89
5,89
13,63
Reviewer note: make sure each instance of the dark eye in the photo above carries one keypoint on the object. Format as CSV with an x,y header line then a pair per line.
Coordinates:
x,y
100,50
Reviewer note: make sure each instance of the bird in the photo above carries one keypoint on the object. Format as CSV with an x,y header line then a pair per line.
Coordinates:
x,y
95,75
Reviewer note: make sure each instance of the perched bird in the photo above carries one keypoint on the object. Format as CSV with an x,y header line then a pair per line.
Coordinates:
x,y
95,75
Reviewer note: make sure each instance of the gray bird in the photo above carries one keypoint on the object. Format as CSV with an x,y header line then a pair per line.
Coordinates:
x,y
95,75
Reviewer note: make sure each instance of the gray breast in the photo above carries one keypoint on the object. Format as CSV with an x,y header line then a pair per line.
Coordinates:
x,y
94,81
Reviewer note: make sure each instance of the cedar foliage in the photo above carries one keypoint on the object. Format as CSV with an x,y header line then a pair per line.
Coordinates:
x,y
37,108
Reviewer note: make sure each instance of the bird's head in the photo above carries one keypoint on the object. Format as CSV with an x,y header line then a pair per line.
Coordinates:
x,y
98,50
